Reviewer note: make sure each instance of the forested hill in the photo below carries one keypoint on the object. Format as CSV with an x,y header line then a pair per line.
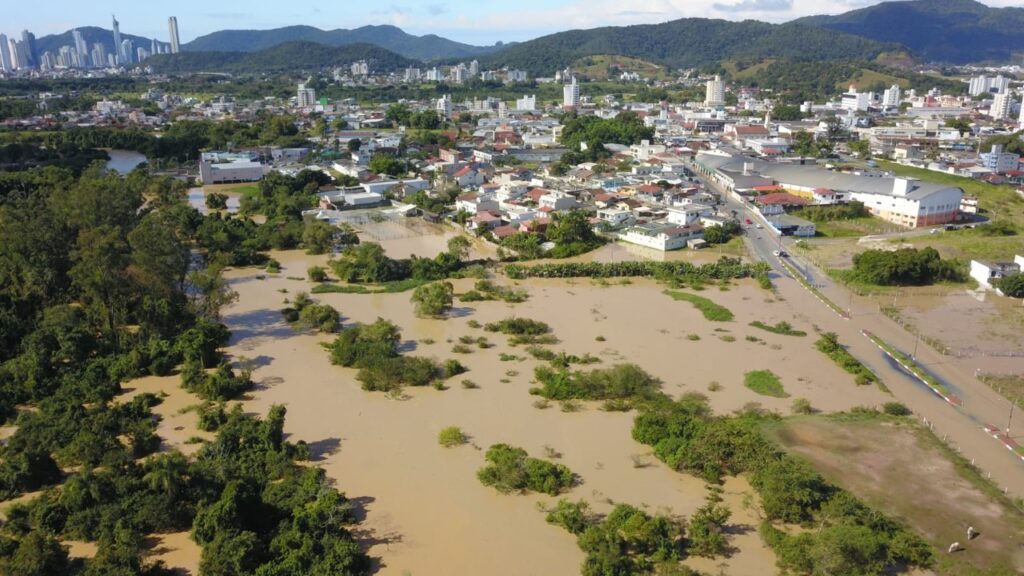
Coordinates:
x,y
429,47
686,43
954,31
287,57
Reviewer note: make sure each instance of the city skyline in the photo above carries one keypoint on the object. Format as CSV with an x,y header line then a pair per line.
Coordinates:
x,y
460,20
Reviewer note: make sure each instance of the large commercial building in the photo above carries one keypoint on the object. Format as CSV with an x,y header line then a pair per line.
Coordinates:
x,y
904,201
172,25
224,167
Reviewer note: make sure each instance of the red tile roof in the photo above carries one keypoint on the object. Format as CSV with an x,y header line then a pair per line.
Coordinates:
x,y
781,198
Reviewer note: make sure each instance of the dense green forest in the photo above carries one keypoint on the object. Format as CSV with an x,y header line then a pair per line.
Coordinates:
x,y
105,279
287,57
686,43
954,31
180,142
428,47
816,80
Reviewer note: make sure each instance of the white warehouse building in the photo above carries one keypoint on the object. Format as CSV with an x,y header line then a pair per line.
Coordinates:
x,y
222,167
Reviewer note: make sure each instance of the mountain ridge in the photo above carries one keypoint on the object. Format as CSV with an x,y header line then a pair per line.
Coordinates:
x,y
688,43
950,31
283,58
425,48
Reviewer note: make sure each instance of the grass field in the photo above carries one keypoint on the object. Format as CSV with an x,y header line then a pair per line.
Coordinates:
x,y
903,470
597,67
867,78
971,243
710,310
736,73
999,202
855,227
765,383
242,188
1010,386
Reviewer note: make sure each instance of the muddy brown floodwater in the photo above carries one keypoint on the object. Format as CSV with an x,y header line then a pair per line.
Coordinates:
x,y
425,511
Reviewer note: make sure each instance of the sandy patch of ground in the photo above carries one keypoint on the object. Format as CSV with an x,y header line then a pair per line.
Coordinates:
x,y
176,550
81,549
901,471
176,427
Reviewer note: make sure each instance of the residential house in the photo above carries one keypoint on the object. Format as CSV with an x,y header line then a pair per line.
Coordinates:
x,y
475,203
468,177
614,217
557,201
986,272
688,214
663,237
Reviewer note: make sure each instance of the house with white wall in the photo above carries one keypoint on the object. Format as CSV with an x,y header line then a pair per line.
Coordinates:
x,y
986,272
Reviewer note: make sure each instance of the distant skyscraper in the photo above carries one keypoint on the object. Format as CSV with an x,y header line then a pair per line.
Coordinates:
x,y
117,40
715,93
31,55
5,54
1001,106
127,51
571,94
18,57
99,55
172,24
81,47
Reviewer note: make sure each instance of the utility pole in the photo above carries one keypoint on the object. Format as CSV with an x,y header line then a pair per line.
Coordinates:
x,y
1010,422
916,342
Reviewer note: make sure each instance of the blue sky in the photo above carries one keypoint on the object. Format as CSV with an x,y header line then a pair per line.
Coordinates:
x,y
472,21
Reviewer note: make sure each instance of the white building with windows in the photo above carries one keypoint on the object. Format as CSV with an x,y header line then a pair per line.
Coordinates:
x,y
1001,106
998,161
855,101
891,97
663,237
571,94
715,92
305,97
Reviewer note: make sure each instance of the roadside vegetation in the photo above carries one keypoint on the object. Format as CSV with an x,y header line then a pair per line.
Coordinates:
x,y
829,345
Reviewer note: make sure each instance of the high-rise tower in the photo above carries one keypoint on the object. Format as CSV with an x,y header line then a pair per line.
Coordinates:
x,y
117,41
31,53
172,24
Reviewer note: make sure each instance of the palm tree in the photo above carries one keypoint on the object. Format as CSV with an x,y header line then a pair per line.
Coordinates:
x,y
166,473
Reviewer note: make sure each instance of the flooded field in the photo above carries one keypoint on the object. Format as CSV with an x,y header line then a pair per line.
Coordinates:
x,y
425,511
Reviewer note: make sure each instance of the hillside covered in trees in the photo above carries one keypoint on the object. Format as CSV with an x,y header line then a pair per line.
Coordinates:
x,y
686,43
428,47
953,31
287,57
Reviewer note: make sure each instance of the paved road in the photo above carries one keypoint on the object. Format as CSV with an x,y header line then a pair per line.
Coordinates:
x,y
963,426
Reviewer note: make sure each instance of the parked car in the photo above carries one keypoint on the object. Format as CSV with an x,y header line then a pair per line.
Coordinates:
x,y
748,222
